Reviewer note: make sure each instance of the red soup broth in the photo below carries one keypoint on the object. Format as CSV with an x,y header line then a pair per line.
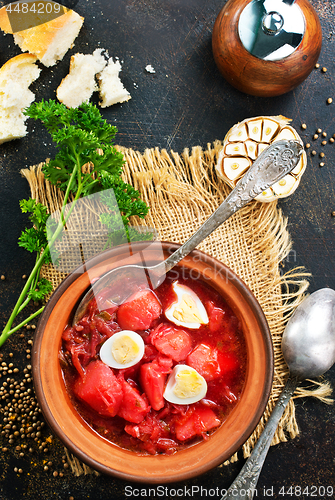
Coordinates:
x,y
127,406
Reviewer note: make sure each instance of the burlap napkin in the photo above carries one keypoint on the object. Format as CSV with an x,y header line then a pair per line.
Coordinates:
x,y
182,192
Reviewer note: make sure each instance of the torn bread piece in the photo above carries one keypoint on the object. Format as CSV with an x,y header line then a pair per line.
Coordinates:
x,y
78,86
16,75
111,88
50,41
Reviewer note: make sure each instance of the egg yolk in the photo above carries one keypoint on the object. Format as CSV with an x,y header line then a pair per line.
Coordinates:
x,y
187,311
188,384
125,350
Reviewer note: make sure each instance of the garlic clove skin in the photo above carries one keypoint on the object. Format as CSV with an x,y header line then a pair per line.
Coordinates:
x,y
255,129
238,133
252,149
285,186
267,196
270,128
236,148
235,167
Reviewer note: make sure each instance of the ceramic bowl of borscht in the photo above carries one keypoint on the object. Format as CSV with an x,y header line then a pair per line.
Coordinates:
x,y
163,386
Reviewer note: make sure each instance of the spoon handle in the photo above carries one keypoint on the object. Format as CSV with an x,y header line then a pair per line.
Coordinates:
x,y
244,486
276,161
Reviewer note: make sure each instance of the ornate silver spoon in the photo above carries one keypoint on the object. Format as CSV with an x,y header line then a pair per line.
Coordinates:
x,y
308,346
276,161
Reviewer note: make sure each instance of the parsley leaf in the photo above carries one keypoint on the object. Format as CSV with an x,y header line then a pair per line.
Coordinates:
x,y
42,289
34,239
83,138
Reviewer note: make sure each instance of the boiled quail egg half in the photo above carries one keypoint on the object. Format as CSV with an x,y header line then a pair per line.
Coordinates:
x,y
122,350
188,310
185,386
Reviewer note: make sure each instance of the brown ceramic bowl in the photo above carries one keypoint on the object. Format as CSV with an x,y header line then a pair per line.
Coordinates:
x,y
107,458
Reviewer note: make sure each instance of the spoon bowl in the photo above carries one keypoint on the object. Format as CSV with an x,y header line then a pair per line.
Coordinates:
x,y
308,347
308,342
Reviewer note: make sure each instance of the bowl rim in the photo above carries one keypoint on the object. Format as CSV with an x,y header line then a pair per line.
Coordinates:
x,y
172,476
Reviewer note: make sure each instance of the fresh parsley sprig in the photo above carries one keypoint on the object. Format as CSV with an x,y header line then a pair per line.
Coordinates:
x,y
86,162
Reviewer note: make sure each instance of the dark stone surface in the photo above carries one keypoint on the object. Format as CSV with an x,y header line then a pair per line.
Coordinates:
x,y
185,103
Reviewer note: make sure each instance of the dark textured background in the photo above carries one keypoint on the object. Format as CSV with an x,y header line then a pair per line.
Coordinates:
x,y
185,103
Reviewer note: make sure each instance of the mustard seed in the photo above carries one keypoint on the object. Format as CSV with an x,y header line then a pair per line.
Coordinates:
x,y
321,164
322,155
329,100
303,126
331,139
324,143
315,136
313,153
307,145
24,276
324,134
333,214
3,277
324,70
319,130
317,66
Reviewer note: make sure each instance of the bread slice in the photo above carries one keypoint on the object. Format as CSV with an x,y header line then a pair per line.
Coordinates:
x,y
78,86
16,75
50,41
111,88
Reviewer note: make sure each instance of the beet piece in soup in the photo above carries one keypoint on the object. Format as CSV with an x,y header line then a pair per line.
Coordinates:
x,y
100,389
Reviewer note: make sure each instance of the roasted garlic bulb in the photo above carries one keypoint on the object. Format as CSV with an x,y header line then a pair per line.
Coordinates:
x,y
246,140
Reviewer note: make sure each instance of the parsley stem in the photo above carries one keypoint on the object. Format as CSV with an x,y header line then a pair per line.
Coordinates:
x,y
23,300
23,323
7,330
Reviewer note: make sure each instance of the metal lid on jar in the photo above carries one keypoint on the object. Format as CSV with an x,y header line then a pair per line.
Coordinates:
x,y
271,29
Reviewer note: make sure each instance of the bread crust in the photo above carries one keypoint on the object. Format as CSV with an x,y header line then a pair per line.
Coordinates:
x,y
4,21
17,61
45,40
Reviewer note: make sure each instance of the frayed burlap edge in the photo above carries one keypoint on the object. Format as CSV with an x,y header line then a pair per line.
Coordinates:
x,y
182,191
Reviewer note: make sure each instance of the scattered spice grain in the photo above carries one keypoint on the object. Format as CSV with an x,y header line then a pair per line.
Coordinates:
x,y
329,100
313,153
317,66
315,136
324,143
333,214
321,164
319,130
307,145
3,277
324,70
303,126
331,139
322,155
